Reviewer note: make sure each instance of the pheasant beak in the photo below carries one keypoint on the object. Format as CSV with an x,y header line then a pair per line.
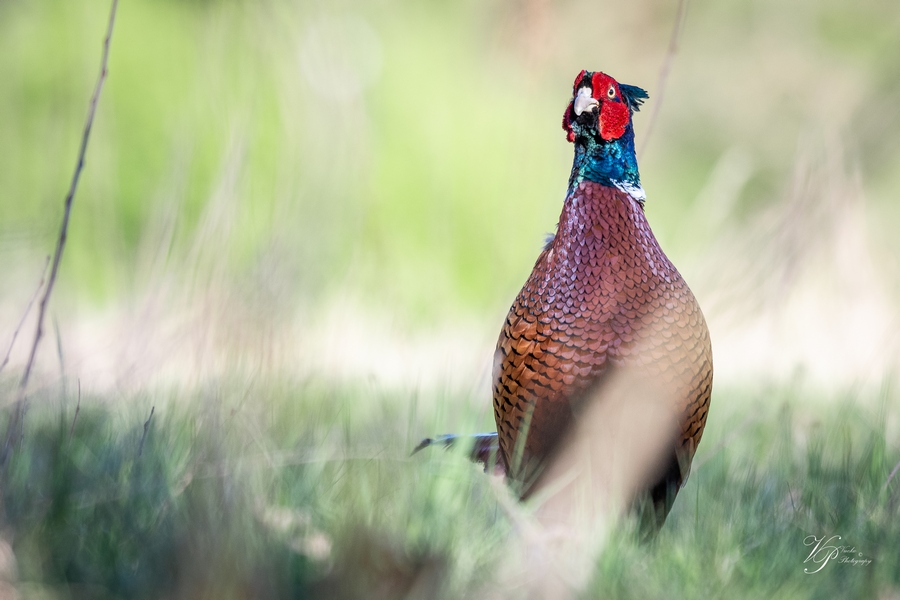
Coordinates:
x,y
584,101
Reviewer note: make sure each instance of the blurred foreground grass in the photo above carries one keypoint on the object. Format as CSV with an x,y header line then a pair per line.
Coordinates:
x,y
285,492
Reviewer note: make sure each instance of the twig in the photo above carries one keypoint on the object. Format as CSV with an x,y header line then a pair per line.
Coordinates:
x,y
16,419
891,476
34,296
61,356
146,427
664,72
77,410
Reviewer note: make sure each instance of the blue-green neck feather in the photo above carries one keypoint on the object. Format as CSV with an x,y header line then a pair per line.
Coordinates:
x,y
607,163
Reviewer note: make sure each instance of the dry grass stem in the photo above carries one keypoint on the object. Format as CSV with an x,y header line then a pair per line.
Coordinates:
x,y
664,72
15,422
146,429
34,296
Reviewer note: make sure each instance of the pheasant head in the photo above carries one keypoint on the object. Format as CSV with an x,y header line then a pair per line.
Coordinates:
x,y
598,120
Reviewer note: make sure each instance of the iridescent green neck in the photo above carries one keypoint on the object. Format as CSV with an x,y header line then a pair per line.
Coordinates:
x,y
612,163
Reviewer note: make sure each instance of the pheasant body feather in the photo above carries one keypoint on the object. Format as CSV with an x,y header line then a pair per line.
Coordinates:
x,y
602,296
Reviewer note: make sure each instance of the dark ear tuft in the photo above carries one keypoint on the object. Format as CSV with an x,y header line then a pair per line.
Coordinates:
x,y
633,96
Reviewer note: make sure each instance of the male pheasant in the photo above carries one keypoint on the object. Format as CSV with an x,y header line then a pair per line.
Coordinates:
x,y
602,297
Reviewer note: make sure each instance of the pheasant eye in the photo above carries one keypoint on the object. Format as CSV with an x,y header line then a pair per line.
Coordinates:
x,y
611,92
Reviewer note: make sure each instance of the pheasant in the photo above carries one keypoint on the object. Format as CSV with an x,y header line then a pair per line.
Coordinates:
x,y
602,298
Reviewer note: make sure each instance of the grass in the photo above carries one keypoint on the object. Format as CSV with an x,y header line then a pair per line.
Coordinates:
x,y
740,525
232,497
235,504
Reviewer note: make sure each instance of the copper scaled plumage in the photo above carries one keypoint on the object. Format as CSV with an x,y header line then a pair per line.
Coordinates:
x,y
602,297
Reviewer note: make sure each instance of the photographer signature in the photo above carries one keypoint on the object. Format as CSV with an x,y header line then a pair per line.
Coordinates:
x,y
825,550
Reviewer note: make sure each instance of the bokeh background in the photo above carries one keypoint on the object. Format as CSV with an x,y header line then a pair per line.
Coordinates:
x,y
363,188
353,193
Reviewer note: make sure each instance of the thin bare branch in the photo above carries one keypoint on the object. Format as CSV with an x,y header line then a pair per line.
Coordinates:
x,y
146,428
61,356
16,418
890,477
77,410
34,296
664,72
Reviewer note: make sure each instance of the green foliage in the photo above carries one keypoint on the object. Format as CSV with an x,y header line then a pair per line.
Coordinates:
x,y
741,524
227,500
433,153
234,505
94,518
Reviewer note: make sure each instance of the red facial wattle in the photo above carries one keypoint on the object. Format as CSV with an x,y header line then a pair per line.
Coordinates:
x,y
613,120
614,114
